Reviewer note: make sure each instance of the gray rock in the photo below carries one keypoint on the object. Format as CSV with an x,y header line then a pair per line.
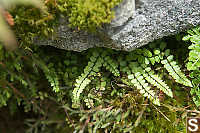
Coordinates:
x,y
123,12
153,19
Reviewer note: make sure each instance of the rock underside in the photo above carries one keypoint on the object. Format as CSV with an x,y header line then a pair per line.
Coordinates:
x,y
152,19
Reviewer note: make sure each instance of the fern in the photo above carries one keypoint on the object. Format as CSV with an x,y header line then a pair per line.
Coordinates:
x,y
98,59
110,64
50,74
141,68
194,54
156,81
90,70
149,74
138,80
174,70
143,58
136,70
193,64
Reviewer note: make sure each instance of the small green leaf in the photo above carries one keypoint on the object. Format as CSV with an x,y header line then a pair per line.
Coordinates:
x,y
167,52
156,51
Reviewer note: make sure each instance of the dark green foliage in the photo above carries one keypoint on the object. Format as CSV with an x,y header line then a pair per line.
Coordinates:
x,y
104,86
136,68
98,59
107,88
98,90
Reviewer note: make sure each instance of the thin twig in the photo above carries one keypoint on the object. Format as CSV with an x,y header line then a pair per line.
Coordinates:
x,y
181,109
69,117
85,124
161,113
16,91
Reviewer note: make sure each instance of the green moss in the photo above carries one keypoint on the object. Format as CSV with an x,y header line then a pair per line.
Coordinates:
x,y
90,14
82,14
31,23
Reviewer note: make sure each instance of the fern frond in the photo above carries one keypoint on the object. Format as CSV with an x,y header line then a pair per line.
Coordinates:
x,y
139,63
110,64
156,81
139,82
134,72
193,65
194,54
90,70
174,70
52,77
143,66
50,74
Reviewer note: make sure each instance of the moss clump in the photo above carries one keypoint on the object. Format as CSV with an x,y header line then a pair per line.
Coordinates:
x,y
90,14
83,14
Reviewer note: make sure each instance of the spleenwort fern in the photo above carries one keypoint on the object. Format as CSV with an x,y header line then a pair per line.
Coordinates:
x,y
98,59
138,80
89,72
52,77
110,64
141,71
50,74
156,81
193,64
174,70
135,69
149,74
194,55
